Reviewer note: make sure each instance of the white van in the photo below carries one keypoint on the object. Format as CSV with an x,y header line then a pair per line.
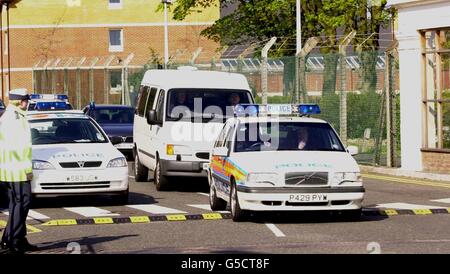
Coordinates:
x,y
179,114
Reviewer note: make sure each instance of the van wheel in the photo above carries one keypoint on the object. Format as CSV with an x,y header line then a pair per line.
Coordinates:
x,y
237,214
140,171
161,181
215,202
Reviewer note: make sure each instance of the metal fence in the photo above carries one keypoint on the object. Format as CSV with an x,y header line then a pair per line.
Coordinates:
x,y
357,92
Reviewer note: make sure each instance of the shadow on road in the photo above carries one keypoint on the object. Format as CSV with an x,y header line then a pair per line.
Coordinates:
x,y
85,244
308,217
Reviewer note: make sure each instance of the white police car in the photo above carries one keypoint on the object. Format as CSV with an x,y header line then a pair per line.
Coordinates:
x,y
287,163
48,102
72,155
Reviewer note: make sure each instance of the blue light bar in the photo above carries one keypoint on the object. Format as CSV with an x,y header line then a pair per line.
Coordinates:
x,y
246,110
308,109
42,106
49,96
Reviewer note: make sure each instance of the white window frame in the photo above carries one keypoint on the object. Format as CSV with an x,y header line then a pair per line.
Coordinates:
x,y
115,48
115,6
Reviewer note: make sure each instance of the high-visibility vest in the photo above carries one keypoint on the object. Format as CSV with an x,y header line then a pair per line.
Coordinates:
x,y
15,146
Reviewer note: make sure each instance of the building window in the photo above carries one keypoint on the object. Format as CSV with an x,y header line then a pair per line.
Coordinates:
x,y
115,81
115,4
115,40
436,88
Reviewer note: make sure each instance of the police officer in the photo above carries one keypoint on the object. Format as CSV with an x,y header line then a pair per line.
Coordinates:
x,y
16,170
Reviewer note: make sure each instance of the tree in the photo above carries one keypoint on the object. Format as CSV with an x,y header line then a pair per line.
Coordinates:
x,y
259,20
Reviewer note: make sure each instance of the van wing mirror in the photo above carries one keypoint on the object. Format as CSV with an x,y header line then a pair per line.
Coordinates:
x,y
353,150
220,151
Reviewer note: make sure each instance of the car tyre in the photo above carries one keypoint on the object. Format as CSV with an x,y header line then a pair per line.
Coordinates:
x,y
140,171
237,214
161,181
215,202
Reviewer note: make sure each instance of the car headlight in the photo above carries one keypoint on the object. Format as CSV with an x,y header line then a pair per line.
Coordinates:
x,y
178,150
118,162
270,178
347,177
42,165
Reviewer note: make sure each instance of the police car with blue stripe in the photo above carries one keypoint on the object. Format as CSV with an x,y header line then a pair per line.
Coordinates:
x,y
278,158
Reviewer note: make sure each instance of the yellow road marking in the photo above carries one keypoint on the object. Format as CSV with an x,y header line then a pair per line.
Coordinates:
x,y
176,218
212,216
102,221
422,211
31,229
140,219
390,212
406,181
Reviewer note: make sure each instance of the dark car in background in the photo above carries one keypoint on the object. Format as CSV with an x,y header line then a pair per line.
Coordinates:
x,y
116,120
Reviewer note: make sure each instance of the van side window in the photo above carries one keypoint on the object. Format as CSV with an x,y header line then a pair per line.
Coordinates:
x,y
142,100
150,100
160,106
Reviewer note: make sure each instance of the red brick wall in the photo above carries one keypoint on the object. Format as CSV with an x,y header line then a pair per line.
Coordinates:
x,y
436,162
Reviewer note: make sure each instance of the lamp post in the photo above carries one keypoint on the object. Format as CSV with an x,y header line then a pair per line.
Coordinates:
x,y
166,32
9,4
299,26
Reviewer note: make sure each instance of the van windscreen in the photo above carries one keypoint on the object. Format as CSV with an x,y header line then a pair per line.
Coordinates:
x,y
204,105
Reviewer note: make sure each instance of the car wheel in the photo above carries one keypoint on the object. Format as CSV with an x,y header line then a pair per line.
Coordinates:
x,y
140,171
161,181
215,202
237,214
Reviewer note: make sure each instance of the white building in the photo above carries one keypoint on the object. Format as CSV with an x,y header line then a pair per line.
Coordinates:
x,y
424,52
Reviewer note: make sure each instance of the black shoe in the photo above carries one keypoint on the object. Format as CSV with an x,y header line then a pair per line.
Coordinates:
x,y
16,250
26,246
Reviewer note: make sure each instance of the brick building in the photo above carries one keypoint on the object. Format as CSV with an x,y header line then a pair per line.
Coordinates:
x,y
52,32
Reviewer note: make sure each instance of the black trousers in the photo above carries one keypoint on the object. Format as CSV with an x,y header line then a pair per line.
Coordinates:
x,y
19,205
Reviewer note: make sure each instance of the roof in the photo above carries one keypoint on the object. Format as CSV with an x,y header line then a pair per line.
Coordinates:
x,y
110,106
254,119
36,115
168,79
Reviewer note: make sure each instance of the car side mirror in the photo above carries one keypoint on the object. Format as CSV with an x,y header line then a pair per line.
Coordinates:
x,y
220,151
151,118
353,150
116,140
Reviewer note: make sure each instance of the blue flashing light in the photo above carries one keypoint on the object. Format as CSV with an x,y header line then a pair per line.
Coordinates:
x,y
308,109
35,96
62,97
92,105
246,110
43,106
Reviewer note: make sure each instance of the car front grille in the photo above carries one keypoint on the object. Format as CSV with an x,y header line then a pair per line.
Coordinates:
x,y
81,164
306,179
129,139
75,185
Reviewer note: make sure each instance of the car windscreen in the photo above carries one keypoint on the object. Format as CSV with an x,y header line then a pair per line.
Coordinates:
x,y
286,136
204,105
113,115
62,131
